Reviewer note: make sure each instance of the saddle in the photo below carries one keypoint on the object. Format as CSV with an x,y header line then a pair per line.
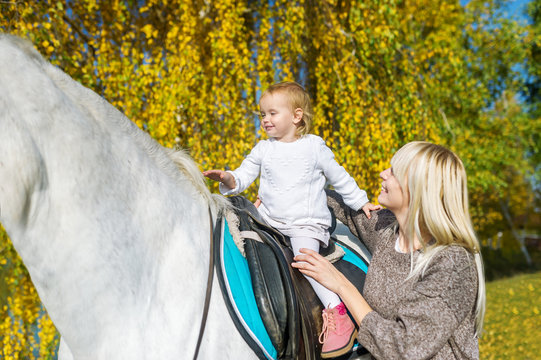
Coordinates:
x,y
273,305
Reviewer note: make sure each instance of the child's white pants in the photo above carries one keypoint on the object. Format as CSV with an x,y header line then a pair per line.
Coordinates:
x,y
328,298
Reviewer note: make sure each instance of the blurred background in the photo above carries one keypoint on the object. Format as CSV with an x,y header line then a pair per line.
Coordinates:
x,y
463,74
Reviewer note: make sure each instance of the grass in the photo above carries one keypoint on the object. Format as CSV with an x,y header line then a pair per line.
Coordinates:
x,y
512,327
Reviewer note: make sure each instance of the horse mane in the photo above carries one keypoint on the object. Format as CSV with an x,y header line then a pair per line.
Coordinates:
x,y
188,167
176,163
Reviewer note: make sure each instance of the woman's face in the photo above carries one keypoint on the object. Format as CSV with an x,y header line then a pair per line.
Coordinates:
x,y
392,196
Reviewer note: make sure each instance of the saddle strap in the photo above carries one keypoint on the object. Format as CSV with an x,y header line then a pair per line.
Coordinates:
x,y
209,290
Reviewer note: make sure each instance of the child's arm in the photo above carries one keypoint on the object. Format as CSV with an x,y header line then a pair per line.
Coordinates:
x,y
236,181
343,183
221,176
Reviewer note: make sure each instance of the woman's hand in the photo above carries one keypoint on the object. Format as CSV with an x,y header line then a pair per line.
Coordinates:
x,y
312,264
222,176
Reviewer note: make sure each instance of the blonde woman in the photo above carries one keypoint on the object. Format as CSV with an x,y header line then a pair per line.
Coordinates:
x,y
424,294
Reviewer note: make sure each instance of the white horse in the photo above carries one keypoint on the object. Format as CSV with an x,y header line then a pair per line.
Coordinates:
x,y
114,236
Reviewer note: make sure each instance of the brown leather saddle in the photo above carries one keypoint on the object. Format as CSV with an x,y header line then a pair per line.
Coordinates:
x,y
287,304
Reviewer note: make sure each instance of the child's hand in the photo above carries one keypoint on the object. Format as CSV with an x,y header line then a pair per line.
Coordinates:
x,y
257,202
222,176
370,207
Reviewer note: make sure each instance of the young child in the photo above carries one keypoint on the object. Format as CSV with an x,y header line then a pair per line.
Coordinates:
x,y
293,167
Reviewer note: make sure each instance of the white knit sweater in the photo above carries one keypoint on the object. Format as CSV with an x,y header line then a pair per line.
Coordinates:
x,y
292,182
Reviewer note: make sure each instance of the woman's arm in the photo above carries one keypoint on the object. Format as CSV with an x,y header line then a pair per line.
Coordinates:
x,y
427,315
312,264
367,230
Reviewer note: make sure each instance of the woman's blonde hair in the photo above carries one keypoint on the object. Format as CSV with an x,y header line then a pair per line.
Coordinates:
x,y
298,98
436,182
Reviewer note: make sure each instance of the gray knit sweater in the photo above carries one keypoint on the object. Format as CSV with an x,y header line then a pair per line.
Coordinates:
x,y
428,317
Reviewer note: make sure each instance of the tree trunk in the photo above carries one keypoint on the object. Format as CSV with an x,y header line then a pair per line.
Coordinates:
x,y
515,233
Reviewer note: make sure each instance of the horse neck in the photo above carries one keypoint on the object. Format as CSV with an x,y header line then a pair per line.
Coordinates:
x,y
99,216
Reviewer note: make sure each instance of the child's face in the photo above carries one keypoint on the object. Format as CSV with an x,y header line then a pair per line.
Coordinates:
x,y
278,118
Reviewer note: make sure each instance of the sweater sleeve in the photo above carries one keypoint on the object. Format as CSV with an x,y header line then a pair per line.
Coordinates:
x,y
247,172
339,178
369,231
430,314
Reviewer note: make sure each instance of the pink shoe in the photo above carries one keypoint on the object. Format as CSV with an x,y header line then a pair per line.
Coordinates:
x,y
338,333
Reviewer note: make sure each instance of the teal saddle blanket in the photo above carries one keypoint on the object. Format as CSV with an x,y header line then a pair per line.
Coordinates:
x,y
285,333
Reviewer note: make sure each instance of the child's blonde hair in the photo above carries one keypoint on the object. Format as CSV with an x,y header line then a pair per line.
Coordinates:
x,y
298,99
435,179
